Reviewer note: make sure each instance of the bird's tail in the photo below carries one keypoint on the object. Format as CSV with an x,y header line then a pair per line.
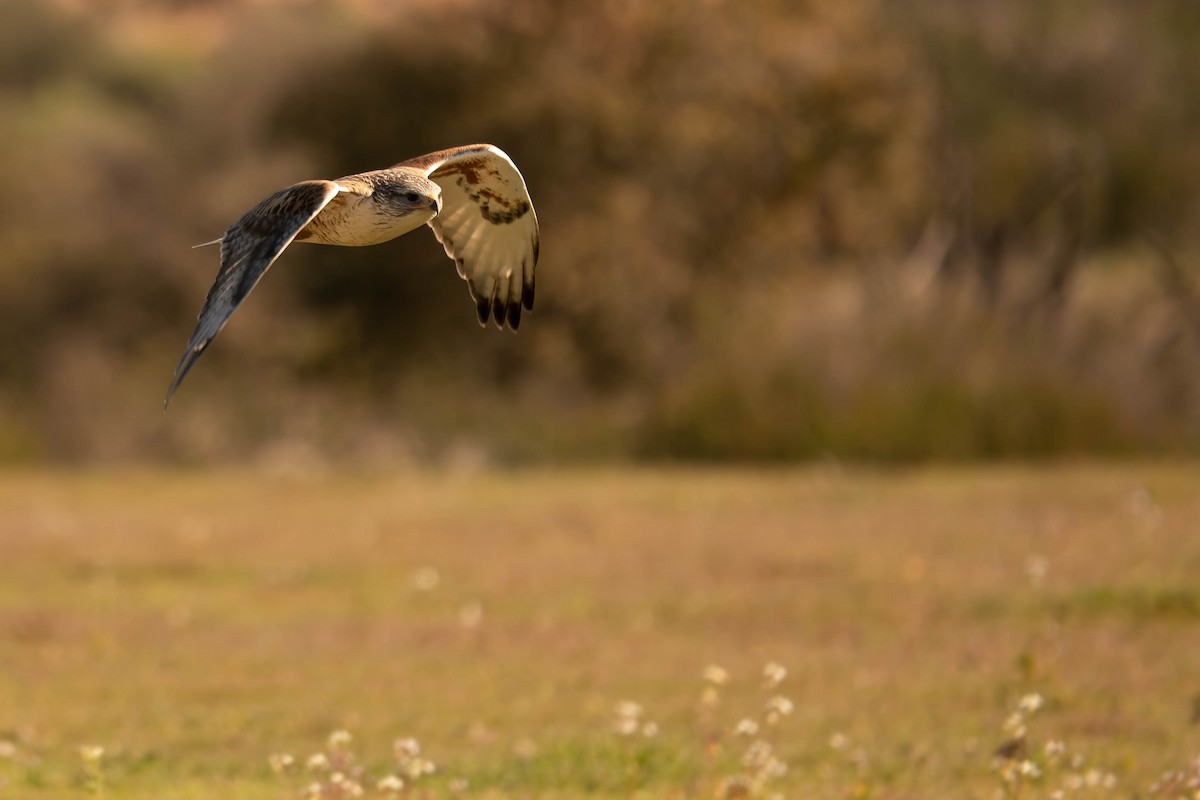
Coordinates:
x,y
218,240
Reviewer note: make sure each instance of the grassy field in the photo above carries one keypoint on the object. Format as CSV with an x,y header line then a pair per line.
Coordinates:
x,y
195,625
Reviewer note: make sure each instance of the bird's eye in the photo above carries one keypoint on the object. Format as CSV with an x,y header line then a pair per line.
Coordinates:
x,y
412,197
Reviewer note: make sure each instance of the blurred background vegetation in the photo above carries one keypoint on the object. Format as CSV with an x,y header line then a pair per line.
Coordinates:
x,y
772,230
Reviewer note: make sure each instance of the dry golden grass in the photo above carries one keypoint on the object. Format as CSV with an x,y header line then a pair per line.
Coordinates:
x,y
195,624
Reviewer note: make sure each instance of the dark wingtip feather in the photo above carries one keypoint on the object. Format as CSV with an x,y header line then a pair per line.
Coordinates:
x,y
185,366
527,296
514,316
483,308
499,311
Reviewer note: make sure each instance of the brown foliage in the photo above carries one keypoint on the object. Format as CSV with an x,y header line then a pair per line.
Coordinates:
x,y
770,229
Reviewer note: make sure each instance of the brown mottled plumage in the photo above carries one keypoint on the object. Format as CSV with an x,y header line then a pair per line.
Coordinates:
x,y
473,197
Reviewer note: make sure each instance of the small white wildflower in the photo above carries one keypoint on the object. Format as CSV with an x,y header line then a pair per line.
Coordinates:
x,y
773,768
745,727
280,762
629,718
1030,703
650,730
1073,782
628,709
710,696
625,726
1094,778
417,767
774,673
459,785
716,675
838,740
91,753
336,777
426,579
1015,725
781,705
1030,770
317,761
406,748
757,754
313,790
1054,749
7,749
339,739
391,783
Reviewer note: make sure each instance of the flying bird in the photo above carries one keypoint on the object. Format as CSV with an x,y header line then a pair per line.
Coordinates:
x,y
473,197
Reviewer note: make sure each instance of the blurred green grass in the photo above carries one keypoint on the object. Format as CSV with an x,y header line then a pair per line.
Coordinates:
x,y
195,623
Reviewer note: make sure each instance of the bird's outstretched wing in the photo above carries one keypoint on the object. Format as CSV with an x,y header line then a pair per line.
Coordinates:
x,y
487,225
248,248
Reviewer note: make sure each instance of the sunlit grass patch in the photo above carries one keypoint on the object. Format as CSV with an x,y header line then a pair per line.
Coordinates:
x,y
821,633
1135,602
1132,602
632,755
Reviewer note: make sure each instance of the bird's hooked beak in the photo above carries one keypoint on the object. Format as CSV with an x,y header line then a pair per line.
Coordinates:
x,y
435,203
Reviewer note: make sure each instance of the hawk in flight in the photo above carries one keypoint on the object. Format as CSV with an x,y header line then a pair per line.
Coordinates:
x,y
473,197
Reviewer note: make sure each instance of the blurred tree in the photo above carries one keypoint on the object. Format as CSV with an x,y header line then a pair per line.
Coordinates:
x,y
770,229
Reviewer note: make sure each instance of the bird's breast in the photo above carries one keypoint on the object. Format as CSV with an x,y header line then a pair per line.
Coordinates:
x,y
351,220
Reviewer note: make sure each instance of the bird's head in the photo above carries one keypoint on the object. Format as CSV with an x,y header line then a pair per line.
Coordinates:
x,y
411,193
